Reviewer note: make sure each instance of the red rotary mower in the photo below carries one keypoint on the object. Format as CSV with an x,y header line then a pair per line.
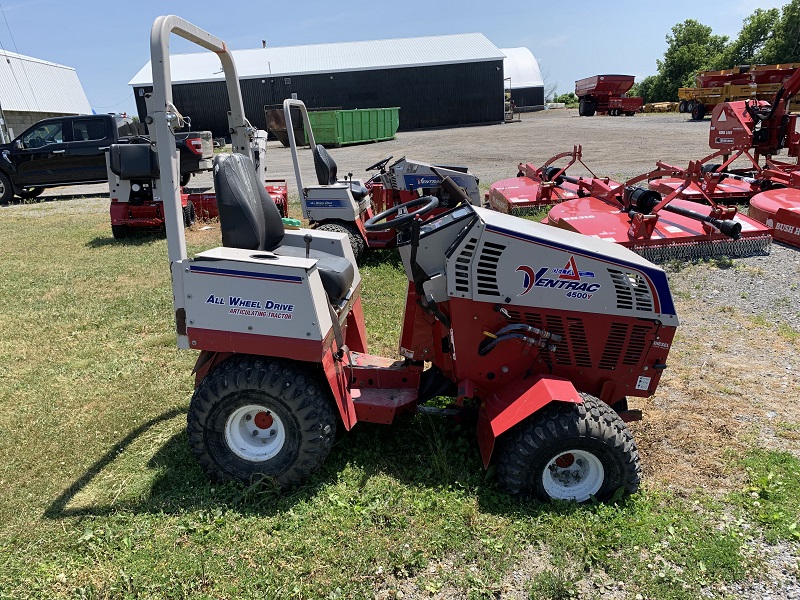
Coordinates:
x,y
751,131
533,187
660,228
655,227
546,331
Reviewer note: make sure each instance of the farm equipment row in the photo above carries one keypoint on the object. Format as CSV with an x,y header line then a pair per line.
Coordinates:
x,y
700,223
759,82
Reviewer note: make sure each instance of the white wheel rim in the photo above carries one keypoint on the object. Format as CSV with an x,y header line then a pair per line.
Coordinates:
x,y
573,475
254,433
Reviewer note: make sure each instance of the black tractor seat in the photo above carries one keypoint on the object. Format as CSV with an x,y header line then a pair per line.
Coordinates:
x,y
250,220
326,170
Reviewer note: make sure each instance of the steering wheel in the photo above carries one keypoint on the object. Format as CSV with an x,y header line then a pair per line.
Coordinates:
x,y
380,164
379,222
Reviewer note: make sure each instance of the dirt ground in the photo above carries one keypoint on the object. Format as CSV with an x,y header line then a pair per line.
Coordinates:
x,y
733,369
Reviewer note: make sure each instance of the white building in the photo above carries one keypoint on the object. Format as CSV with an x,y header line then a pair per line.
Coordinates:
x,y
32,89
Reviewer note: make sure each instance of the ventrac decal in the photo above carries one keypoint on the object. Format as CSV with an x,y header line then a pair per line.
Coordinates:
x,y
568,278
244,307
414,181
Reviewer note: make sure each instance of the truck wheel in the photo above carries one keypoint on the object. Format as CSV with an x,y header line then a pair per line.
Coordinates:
x,y
590,108
357,242
120,232
581,107
698,112
570,452
255,417
29,193
690,106
682,106
189,214
185,179
6,189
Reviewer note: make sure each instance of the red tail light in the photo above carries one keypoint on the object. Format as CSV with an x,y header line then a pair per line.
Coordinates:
x,y
195,145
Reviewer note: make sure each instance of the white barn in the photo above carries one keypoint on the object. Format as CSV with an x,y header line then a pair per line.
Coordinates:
x,y
32,89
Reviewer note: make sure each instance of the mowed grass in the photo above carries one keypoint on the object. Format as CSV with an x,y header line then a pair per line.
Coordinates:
x,y
101,498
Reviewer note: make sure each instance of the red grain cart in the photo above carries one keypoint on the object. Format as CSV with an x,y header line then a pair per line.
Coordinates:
x,y
606,94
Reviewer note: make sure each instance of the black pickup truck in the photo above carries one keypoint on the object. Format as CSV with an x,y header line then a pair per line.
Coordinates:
x,y
71,150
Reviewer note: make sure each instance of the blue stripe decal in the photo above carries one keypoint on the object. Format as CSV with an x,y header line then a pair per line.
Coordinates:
x,y
246,274
658,278
334,203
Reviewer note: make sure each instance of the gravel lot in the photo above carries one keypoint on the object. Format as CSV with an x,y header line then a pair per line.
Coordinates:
x,y
740,319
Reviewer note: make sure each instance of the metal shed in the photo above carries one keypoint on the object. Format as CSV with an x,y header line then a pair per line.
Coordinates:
x,y
527,85
438,81
32,89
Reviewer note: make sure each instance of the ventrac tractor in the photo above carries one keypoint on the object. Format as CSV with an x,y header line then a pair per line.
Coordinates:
x,y
546,331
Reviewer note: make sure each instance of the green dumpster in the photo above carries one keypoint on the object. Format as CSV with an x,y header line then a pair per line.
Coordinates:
x,y
340,127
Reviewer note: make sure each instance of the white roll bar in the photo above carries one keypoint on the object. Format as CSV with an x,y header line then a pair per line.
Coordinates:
x,y
287,115
165,118
163,121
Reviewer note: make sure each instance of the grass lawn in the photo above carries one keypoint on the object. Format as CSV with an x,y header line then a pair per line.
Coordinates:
x,y
101,498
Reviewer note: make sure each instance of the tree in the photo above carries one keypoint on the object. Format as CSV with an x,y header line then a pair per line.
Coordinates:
x,y
645,89
691,47
757,34
784,45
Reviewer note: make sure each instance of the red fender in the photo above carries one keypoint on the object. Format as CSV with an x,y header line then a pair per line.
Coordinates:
x,y
516,402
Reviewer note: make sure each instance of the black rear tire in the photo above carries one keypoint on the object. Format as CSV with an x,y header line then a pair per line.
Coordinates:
x,y
682,106
357,243
533,458
120,232
6,189
293,438
698,112
189,214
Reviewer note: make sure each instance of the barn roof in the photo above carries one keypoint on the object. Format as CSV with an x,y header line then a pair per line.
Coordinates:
x,y
32,85
521,66
331,58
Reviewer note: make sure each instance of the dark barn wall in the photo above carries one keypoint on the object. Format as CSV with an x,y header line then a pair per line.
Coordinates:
x,y
428,96
530,98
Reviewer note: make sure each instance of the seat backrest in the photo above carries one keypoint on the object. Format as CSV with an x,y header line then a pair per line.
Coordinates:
x,y
133,161
324,165
248,217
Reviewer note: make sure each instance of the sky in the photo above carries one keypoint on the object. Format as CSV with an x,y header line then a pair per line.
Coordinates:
x,y
108,42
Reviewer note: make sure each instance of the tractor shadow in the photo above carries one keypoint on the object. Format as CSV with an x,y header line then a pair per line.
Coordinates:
x,y
142,237
422,452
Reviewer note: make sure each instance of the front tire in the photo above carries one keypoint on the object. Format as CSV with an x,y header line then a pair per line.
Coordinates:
x,y
569,452
30,193
255,417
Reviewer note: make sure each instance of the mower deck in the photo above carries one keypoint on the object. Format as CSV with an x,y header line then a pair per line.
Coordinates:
x,y
522,195
674,236
779,209
730,191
